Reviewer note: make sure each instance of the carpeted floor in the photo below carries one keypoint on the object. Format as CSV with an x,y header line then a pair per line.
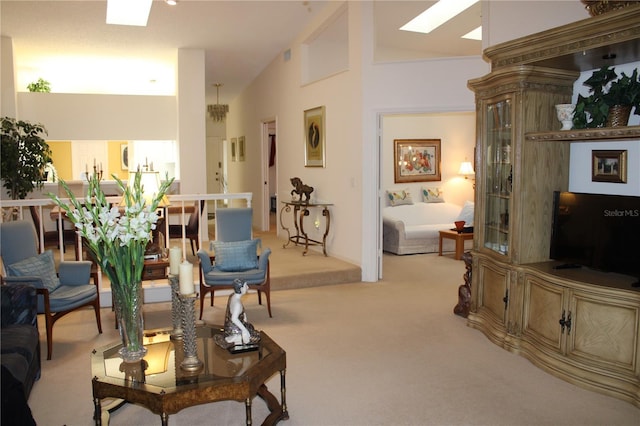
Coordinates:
x,y
386,353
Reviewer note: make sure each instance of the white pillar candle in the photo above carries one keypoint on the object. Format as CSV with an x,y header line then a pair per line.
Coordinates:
x,y
186,278
175,257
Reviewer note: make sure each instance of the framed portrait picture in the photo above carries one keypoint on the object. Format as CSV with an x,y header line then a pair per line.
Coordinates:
x,y
416,160
234,149
124,156
609,166
241,148
314,140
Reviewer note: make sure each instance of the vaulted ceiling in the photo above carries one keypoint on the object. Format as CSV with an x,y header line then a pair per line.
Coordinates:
x,y
56,40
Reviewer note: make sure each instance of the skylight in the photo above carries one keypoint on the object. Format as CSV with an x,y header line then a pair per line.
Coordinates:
x,y
474,34
437,15
128,12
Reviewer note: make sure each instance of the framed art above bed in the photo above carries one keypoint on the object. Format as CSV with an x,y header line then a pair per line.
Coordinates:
x,y
416,160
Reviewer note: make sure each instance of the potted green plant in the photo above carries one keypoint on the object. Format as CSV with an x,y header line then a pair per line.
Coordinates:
x,y
609,93
24,156
41,85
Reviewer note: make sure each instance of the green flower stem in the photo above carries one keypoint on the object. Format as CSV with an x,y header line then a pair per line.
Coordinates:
x,y
116,241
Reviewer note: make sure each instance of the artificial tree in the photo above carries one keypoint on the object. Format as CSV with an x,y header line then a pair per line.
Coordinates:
x,y
24,156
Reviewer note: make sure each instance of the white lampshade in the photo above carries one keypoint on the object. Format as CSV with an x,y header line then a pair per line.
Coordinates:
x,y
466,169
150,182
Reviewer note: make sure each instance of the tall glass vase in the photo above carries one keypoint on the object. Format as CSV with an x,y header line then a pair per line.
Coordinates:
x,y
128,307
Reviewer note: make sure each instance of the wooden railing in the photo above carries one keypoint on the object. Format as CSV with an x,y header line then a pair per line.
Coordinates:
x,y
180,208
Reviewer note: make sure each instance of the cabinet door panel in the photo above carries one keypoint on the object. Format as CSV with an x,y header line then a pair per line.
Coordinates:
x,y
604,332
542,312
494,290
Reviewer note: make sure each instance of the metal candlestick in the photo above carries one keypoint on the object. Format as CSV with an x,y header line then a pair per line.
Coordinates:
x,y
176,308
191,361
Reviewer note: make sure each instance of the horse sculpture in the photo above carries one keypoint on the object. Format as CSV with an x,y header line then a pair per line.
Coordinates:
x,y
301,189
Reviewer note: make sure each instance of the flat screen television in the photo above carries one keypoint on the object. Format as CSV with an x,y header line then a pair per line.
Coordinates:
x,y
597,231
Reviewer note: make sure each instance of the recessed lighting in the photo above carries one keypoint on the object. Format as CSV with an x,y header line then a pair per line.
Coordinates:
x,y
437,15
171,2
474,34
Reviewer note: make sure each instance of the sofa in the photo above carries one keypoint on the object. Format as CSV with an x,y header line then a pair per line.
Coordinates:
x,y
20,350
415,227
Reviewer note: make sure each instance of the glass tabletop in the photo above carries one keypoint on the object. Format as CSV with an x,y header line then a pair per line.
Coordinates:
x,y
161,365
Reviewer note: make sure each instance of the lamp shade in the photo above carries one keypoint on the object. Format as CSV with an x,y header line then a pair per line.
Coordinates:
x,y
150,184
466,169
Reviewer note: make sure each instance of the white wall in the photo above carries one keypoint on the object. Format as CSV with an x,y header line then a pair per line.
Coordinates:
x,y
581,168
7,78
278,92
100,117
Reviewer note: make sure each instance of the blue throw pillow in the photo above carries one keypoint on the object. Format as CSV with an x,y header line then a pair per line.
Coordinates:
x,y
41,266
236,256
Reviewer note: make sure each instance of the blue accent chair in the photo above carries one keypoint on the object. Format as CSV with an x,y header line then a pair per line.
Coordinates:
x,y
234,225
59,293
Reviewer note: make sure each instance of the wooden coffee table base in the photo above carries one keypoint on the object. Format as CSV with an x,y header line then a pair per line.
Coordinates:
x,y
224,376
459,238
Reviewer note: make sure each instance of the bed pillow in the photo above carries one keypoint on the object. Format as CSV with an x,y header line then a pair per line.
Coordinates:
x,y
399,197
236,256
432,195
466,213
41,266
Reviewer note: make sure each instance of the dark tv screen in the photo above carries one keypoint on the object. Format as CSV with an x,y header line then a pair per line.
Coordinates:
x,y
597,231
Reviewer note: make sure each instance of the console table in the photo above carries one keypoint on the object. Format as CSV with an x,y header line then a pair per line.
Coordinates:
x,y
166,389
300,211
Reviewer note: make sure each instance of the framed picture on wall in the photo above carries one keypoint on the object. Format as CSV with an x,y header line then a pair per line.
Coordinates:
x,y
609,166
314,140
241,148
124,156
416,160
234,149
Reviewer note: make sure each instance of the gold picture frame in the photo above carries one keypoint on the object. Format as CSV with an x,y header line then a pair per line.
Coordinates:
x,y
124,156
314,138
241,148
416,160
609,166
234,149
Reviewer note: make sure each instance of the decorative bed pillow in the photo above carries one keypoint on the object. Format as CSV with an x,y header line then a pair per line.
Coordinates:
x,y
41,266
432,195
236,256
399,197
466,213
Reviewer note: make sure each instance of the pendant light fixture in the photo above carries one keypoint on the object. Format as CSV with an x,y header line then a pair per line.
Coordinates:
x,y
218,112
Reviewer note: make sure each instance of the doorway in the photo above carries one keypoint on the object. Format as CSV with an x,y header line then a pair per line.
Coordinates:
x,y
270,174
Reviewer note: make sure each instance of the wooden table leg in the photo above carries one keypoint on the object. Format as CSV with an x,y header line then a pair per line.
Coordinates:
x,y
459,246
440,245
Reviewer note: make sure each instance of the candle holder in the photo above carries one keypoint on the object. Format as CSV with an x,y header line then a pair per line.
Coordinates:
x,y
191,361
96,173
176,308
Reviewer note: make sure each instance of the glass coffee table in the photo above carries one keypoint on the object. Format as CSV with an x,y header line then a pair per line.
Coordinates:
x,y
161,385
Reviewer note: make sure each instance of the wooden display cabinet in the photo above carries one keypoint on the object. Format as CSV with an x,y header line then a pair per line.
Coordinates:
x,y
581,326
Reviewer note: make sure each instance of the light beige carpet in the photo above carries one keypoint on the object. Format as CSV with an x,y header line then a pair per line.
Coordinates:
x,y
386,353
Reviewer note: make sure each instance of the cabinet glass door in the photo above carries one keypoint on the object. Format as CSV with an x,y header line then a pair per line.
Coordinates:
x,y
499,176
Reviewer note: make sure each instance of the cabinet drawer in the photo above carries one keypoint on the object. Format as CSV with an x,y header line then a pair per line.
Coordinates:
x,y
154,272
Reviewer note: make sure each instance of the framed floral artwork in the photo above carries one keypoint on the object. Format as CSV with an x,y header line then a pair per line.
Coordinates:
x,y
416,160
314,140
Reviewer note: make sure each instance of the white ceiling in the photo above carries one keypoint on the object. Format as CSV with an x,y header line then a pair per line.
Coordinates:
x,y
56,40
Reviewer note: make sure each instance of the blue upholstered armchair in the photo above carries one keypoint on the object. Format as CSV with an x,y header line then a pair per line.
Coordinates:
x,y
235,256
58,293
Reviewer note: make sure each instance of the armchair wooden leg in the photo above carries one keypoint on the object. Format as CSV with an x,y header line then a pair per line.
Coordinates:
x,y
49,326
96,308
